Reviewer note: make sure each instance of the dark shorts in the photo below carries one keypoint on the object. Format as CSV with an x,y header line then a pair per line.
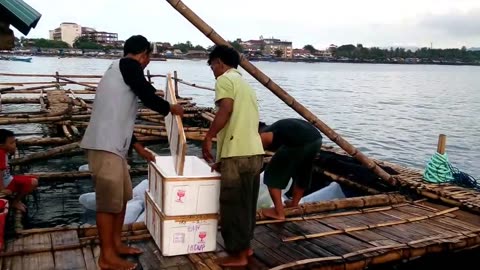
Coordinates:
x,y
292,162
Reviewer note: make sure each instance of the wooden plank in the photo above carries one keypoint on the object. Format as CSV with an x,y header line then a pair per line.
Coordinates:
x,y
89,259
67,259
152,258
38,261
175,132
15,262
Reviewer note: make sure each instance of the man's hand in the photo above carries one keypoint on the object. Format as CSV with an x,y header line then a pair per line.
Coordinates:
x,y
147,155
5,192
176,109
216,167
207,149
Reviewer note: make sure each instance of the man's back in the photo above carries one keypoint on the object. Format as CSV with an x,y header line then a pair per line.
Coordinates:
x,y
292,132
240,136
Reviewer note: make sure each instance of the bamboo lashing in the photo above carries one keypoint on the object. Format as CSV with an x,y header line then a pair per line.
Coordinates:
x,y
210,33
368,227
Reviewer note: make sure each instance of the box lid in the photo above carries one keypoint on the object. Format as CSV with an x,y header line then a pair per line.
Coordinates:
x,y
175,132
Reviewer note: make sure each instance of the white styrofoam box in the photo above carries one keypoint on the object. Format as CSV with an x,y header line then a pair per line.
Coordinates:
x,y
180,235
195,192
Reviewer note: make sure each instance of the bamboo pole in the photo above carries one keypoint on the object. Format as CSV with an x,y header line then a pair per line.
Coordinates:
x,y
46,154
348,203
19,100
74,82
368,227
52,176
32,120
47,75
282,94
43,141
175,78
329,215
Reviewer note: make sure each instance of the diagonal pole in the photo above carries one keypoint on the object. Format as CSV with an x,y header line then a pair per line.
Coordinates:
x,y
282,94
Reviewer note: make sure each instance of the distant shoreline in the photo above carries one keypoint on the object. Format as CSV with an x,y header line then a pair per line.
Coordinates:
x,y
273,60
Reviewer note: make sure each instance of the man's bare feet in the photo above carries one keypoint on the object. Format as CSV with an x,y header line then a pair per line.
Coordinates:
x,y
238,260
126,250
114,262
271,213
20,206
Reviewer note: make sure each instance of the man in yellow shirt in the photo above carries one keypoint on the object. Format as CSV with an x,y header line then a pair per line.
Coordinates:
x,y
239,154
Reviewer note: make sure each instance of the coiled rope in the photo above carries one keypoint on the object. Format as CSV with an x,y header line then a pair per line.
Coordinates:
x,y
439,170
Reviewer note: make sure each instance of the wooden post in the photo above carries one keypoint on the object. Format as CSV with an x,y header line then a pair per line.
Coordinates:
x,y
442,142
175,78
283,95
149,77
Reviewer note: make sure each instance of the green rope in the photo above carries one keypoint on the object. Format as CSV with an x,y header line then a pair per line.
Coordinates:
x,y
438,169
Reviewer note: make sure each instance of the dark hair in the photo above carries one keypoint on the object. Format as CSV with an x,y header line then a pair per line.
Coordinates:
x,y
4,134
228,55
261,126
136,44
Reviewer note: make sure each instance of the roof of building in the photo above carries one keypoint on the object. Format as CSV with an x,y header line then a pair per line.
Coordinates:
x,y
19,14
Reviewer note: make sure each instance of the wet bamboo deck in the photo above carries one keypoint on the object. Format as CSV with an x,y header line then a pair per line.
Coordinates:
x,y
351,239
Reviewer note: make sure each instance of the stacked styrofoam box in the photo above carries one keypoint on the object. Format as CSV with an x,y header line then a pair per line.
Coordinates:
x,y
182,211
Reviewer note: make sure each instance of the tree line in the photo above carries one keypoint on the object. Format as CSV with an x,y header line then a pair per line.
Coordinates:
x,y
359,52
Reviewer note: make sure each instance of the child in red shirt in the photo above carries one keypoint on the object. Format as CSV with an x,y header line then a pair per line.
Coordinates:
x,y
22,185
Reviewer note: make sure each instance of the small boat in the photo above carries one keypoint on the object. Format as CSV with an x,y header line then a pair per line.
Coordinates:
x,y
14,58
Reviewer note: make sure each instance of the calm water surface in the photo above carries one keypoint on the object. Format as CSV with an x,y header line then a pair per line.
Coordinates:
x,y
390,112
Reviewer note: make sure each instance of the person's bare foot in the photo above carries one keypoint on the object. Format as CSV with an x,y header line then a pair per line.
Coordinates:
x,y
272,213
19,206
126,250
114,263
233,261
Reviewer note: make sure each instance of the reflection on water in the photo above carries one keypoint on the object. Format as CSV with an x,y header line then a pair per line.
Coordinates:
x,y
390,112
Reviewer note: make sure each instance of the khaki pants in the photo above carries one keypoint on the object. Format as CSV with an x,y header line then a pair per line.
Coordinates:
x,y
113,186
240,182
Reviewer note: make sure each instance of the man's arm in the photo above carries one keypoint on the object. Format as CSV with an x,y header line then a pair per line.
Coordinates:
x,y
224,96
225,109
133,76
221,118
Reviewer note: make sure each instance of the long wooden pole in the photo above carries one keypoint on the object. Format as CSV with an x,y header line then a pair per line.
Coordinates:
x,y
282,94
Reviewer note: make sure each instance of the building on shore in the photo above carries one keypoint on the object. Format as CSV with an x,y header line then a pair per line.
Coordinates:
x,y
69,32
161,47
269,46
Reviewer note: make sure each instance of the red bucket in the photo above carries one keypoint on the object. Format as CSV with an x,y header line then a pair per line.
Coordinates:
x,y
3,218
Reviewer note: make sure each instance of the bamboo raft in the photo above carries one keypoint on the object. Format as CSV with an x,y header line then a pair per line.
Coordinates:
x,y
352,233
369,229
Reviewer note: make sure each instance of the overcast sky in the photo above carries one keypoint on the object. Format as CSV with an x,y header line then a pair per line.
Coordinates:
x,y
445,23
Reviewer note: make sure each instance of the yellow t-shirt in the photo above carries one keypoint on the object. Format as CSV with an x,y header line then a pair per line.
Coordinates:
x,y
240,135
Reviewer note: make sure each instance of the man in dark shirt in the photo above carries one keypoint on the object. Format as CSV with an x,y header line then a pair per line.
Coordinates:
x,y
295,143
108,138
